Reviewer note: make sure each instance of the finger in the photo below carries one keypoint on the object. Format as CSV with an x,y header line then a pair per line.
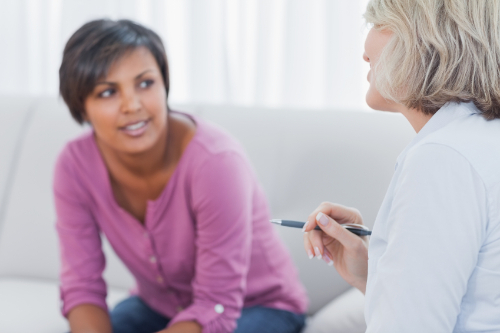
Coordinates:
x,y
308,247
327,257
311,222
343,214
339,213
325,208
315,238
336,231
309,225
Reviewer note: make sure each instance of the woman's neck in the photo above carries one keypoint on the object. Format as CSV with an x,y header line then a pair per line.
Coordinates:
x,y
415,117
147,163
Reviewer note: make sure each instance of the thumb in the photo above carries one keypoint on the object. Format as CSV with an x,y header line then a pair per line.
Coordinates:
x,y
336,231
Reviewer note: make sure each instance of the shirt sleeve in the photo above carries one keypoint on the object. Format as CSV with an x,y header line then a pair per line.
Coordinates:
x,y
222,203
435,230
82,259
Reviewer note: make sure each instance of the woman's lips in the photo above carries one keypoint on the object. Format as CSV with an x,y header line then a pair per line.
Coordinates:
x,y
136,129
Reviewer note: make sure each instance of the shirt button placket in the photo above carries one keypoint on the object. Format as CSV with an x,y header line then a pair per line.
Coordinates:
x,y
153,259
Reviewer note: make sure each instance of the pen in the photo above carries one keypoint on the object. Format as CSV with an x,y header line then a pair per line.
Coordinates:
x,y
356,229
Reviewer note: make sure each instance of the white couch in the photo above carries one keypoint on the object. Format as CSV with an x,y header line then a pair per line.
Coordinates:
x,y
302,157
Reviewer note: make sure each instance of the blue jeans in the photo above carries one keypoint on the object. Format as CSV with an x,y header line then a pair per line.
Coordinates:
x,y
132,315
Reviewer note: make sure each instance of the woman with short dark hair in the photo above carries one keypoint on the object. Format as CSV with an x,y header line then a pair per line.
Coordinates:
x,y
175,196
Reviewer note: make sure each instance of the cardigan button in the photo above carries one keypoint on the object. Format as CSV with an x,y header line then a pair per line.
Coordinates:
x,y
219,308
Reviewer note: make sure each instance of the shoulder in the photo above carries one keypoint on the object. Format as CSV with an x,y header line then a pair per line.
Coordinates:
x,y
212,143
216,160
77,150
434,160
75,159
472,140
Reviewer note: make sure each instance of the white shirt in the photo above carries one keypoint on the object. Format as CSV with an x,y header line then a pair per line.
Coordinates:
x,y
434,256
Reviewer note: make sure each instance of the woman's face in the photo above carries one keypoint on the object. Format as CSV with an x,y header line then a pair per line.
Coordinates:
x,y
128,107
374,44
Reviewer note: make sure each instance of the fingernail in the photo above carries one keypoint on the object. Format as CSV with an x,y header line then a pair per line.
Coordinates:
x,y
305,225
311,255
326,259
321,218
330,263
318,254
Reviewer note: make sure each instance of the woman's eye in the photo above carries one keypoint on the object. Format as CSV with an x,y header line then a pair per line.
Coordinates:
x,y
146,83
107,93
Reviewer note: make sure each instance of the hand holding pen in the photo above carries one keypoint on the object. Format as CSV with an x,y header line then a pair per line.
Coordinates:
x,y
335,244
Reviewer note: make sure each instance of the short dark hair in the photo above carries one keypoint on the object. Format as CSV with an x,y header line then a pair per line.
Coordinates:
x,y
93,48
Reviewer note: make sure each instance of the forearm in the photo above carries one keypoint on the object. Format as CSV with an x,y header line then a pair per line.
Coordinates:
x,y
88,318
183,327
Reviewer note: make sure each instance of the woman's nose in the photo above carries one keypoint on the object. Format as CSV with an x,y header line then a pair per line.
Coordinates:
x,y
131,102
365,57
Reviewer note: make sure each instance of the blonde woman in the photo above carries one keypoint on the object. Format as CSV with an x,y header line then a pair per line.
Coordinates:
x,y
433,262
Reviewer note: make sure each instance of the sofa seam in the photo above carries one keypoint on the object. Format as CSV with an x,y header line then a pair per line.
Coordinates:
x,y
16,155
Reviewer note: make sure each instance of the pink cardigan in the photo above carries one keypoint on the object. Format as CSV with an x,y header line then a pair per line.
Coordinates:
x,y
206,249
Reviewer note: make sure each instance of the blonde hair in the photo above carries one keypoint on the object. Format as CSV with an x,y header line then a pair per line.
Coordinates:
x,y
441,51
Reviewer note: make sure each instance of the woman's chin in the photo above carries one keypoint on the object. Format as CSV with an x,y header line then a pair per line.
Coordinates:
x,y
379,103
136,148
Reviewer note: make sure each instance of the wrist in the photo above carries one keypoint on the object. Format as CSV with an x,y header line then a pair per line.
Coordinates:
x,y
360,285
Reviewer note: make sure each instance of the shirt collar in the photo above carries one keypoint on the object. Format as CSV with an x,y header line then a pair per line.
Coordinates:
x,y
447,114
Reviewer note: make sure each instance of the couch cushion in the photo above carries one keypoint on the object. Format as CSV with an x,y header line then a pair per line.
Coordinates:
x,y
29,305
345,314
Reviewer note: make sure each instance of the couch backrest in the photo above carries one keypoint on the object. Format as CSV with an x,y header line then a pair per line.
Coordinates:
x,y
28,241
302,158
14,116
